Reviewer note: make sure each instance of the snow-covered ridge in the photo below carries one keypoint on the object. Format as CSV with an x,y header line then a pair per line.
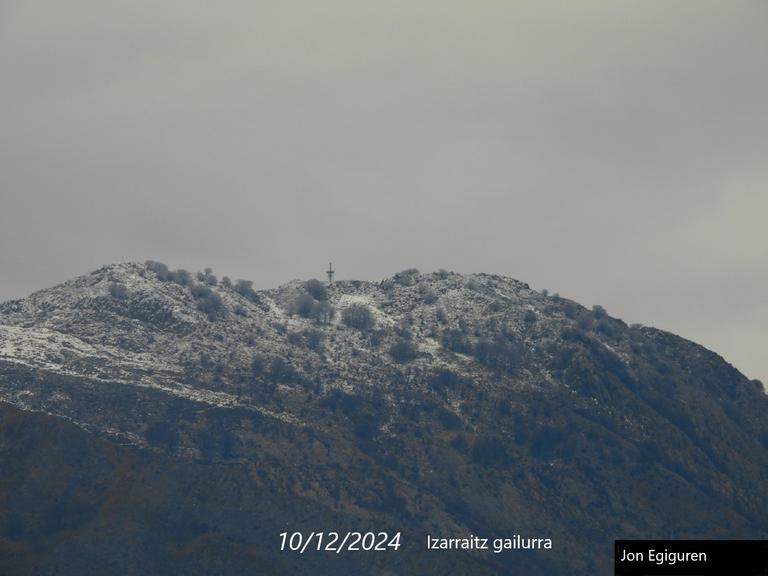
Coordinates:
x,y
219,344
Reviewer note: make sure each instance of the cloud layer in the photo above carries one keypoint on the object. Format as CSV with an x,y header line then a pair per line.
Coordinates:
x,y
611,151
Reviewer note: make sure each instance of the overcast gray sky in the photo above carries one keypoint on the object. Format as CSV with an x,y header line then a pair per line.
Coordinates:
x,y
614,152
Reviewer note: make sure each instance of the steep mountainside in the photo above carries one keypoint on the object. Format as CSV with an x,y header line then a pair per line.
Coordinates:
x,y
207,417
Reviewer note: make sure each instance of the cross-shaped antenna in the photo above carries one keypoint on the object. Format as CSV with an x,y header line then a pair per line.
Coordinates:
x,y
330,272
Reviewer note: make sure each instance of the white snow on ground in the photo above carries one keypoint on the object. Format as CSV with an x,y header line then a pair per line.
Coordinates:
x,y
347,300
50,350
430,346
157,336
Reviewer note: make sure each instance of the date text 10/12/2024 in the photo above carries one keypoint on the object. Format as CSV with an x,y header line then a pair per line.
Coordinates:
x,y
336,542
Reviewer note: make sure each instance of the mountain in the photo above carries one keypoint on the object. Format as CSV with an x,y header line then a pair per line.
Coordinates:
x,y
156,422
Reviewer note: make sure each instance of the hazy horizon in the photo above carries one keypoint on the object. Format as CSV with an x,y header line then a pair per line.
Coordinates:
x,y
611,152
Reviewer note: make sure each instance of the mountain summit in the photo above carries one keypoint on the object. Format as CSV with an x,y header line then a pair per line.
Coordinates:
x,y
440,404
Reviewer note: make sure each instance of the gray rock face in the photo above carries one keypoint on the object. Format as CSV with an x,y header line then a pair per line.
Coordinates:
x,y
431,403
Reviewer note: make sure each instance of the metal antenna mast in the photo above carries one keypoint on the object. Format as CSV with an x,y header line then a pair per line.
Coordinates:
x,y
330,272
